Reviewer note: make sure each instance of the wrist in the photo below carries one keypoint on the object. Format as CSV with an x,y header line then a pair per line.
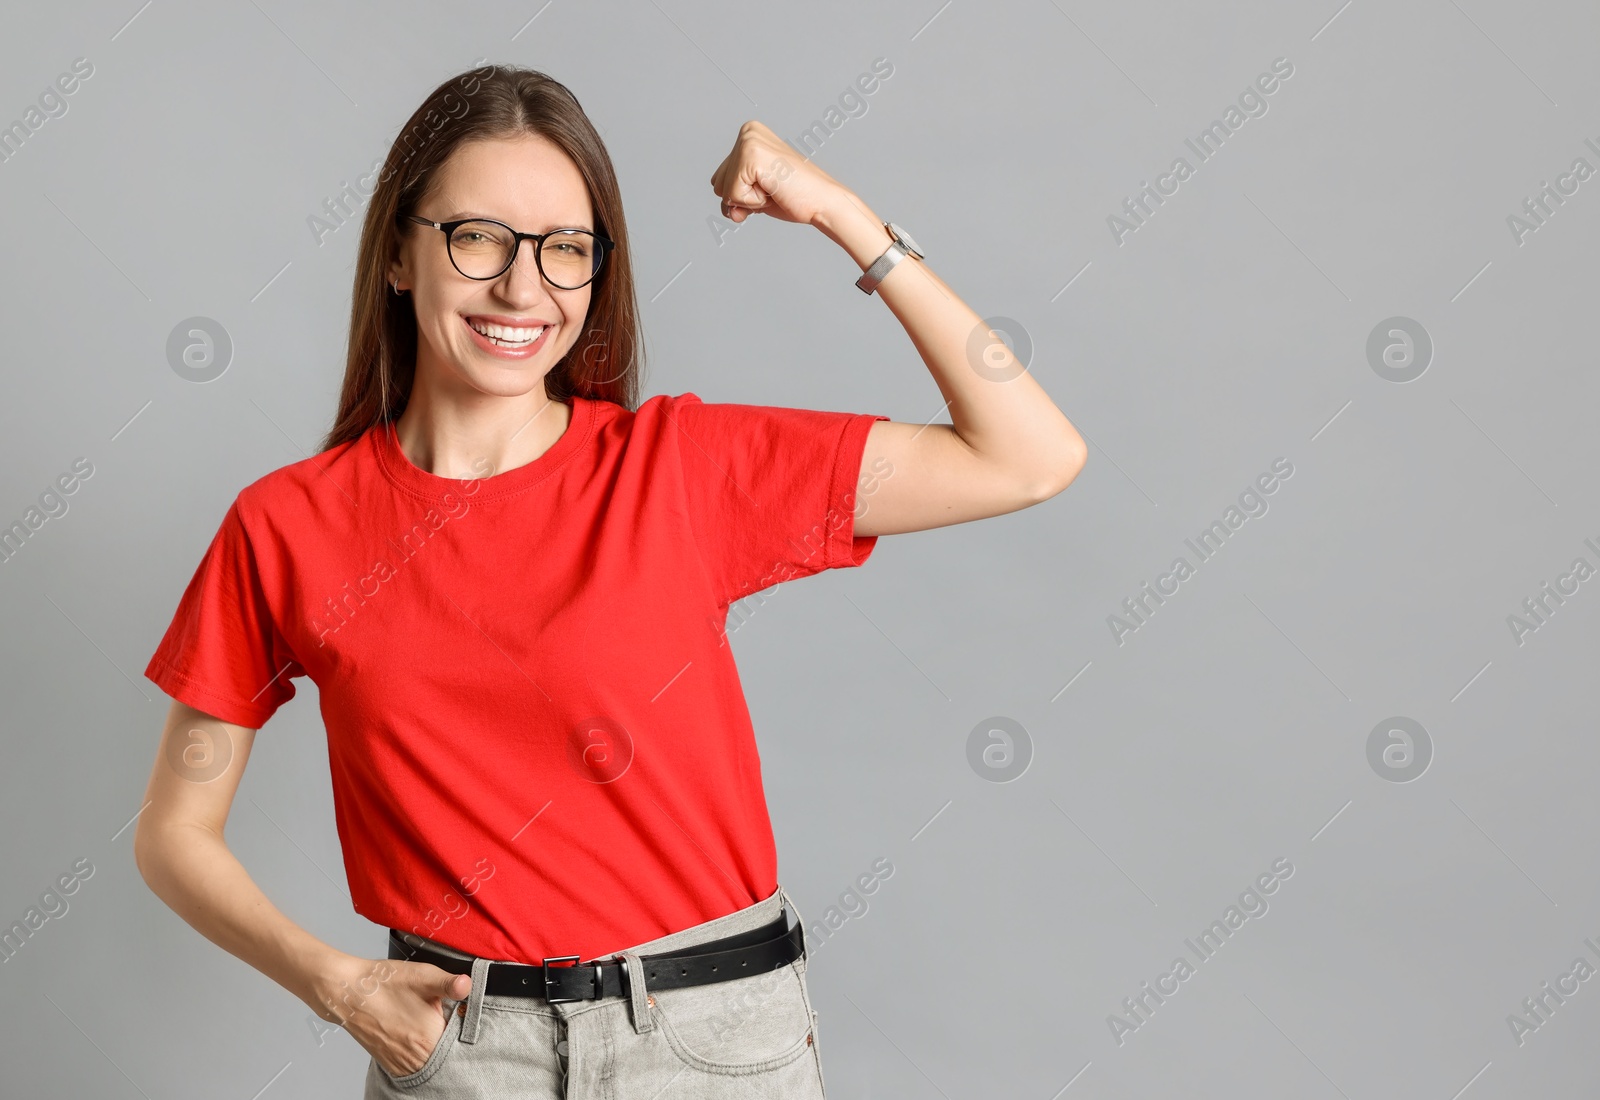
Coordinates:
x,y
335,983
851,224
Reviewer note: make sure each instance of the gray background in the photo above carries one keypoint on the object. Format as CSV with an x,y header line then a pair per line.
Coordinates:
x,y
1229,731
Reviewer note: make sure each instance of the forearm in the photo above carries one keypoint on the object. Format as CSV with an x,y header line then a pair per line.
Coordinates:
x,y
191,869
996,407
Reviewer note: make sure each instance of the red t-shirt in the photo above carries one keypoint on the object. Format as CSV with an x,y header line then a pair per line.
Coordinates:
x,y
537,737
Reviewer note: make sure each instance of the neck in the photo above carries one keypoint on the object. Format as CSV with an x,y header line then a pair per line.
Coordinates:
x,y
481,438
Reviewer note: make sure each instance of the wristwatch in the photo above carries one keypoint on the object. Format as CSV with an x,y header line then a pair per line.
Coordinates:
x,y
899,248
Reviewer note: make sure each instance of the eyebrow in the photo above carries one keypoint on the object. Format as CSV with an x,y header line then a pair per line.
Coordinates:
x,y
456,215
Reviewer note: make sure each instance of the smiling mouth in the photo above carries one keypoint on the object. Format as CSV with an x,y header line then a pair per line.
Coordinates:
x,y
505,337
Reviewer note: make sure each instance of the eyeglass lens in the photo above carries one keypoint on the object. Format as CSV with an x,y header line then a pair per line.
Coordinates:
x,y
482,250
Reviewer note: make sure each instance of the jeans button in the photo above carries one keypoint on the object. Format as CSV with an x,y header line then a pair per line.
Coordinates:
x,y
561,1047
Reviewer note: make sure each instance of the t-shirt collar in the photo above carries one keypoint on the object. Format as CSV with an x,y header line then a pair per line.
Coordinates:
x,y
402,473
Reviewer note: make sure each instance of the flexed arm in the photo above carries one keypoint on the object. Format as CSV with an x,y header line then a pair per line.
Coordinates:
x,y
1007,447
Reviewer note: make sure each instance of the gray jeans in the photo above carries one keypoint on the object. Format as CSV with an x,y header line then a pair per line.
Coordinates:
x,y
750,1038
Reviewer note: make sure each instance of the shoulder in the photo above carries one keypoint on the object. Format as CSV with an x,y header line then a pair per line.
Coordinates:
x,y
686,411
683,409
685,425
657,420
300,486
663,407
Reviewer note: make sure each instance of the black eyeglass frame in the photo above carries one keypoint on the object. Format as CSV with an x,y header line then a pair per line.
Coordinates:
x,y
605,245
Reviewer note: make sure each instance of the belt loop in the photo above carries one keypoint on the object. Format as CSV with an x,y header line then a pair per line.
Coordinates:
x,y
639,997
480,980
798,919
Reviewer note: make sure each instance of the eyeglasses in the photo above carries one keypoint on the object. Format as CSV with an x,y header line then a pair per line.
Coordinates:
x,y
481,248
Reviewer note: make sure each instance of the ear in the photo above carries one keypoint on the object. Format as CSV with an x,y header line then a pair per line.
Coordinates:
x,y
396,267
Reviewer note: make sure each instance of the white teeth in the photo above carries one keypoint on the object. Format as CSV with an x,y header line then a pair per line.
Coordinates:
x,y
500,334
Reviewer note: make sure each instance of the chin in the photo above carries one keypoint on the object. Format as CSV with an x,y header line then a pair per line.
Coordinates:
x,y
512,382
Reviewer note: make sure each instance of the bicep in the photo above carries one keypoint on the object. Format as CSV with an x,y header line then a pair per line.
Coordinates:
x,y
196,772
918,476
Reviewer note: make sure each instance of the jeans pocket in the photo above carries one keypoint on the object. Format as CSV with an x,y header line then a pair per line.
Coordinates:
x,y
436,1057
742,1026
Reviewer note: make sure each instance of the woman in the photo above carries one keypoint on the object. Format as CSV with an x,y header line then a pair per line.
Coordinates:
x,y
509,581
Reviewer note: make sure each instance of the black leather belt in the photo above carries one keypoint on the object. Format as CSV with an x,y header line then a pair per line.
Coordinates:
x,y
737,956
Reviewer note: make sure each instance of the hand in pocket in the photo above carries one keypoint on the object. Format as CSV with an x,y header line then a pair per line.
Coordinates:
x,y
403,1018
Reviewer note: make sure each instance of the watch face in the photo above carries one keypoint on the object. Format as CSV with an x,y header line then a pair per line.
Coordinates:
x,y
905,239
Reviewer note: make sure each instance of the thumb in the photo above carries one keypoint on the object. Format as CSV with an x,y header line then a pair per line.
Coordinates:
x,y
749,193
454,986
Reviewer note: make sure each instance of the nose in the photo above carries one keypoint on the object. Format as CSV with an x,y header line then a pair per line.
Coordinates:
x,y
530,282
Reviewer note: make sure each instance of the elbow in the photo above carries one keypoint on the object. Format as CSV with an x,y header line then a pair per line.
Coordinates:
x,y
143,857
151,848
1054,478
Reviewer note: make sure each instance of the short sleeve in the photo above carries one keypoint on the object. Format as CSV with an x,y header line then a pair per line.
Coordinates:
x,y
222,653
771,492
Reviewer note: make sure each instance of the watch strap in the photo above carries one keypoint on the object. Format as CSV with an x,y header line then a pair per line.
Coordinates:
x,y
881,267
900,246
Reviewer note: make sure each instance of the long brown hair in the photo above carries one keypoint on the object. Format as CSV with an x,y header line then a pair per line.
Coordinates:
x,y
495,101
